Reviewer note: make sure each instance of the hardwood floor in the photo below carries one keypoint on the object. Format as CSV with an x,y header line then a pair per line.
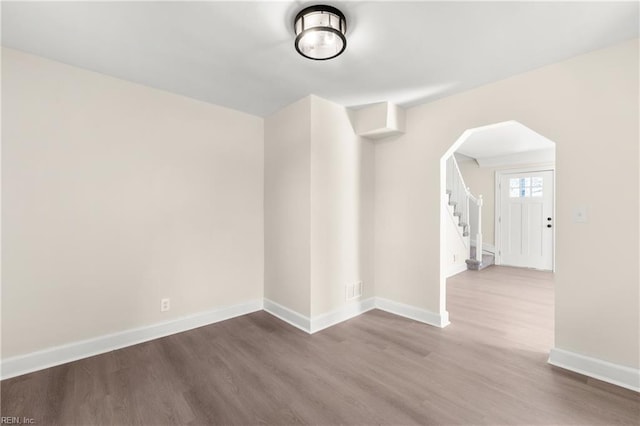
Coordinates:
x,y
488,367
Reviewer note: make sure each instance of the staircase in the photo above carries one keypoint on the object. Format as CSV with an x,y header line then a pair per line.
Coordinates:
x,y
457,214
488,259
460,203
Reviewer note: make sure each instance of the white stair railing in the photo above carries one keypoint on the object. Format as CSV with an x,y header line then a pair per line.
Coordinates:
x,y
464,202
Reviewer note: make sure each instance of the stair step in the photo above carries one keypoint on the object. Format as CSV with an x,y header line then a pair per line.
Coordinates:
x,y
474,265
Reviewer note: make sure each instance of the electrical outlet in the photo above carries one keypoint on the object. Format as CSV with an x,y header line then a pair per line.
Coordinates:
x,y
353,291
165,304
358,289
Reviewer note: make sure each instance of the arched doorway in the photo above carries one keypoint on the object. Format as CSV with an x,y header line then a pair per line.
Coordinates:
x,y
497,187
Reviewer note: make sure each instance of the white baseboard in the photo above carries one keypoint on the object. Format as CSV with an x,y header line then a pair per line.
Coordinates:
x,y
23,364
456,269
320,322
287,315
51,357
413,312
620,375
344,313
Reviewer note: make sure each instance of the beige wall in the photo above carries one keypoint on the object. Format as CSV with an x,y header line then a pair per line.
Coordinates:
x,y
318,207
588,105
482,181
287,211
116,195
341,207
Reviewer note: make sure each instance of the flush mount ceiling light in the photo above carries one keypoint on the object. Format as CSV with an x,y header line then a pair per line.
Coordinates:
x,y
320,32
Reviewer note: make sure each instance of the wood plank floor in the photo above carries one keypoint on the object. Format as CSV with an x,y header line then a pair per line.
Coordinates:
x,y
488,367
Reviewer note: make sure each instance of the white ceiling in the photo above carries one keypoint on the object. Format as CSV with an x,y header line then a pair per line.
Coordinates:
x,y
502,139
241,55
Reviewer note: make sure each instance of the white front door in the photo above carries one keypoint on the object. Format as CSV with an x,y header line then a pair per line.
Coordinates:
x,y
526,222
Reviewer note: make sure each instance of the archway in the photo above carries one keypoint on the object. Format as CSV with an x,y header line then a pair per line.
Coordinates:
x,y
517,156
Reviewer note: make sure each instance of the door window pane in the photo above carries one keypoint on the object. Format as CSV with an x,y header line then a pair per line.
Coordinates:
x,y
525,187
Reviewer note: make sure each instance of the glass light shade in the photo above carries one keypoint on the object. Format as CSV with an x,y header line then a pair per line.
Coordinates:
x,y
320,32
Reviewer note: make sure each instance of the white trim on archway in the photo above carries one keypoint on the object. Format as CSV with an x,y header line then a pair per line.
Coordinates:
x,y
443,161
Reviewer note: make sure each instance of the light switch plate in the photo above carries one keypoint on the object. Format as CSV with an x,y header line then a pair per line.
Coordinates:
x,y
580,214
